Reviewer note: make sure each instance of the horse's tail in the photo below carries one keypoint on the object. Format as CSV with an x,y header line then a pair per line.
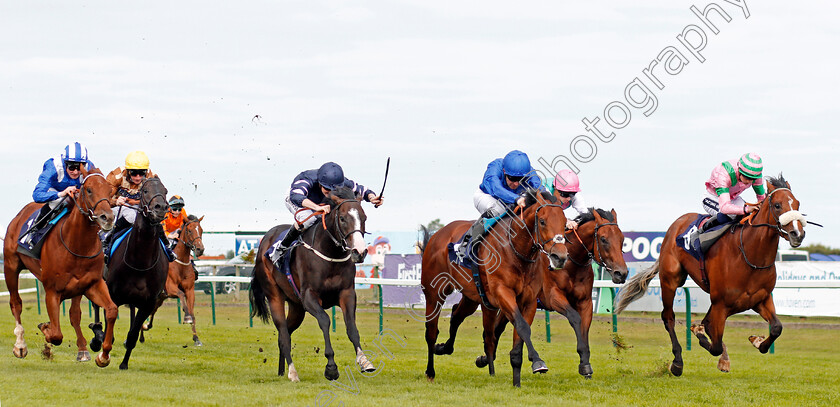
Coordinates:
x,y
424,240
259,304
635,287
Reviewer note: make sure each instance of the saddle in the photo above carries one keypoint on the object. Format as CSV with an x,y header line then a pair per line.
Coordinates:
x,y
120,237
283,263
698,244
33,231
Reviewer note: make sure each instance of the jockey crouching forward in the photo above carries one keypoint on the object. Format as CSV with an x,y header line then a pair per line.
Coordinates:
x,y
175,217
727,182
504,181
308,191
126,182
59,179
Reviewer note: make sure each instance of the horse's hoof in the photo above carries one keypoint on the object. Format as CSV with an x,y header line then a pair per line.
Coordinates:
x,y
481,361
142,338
20,353
83,356
585,370
539,367
698,329
189,319
676,369
442,349
102,360
331,372
198,343
723,366
123,366
756,341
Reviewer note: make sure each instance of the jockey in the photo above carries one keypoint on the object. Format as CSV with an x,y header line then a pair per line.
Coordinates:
x,y
175,217
504,181
727,182
308,191
126,182
566,187
59,178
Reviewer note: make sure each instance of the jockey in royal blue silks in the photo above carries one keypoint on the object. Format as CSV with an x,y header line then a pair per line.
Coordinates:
x,y
60,177
504,181
308,191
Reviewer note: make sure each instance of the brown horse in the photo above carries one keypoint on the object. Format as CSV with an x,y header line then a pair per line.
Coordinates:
x,y
70,266
508,273
569,290
740,269
180,282
323,273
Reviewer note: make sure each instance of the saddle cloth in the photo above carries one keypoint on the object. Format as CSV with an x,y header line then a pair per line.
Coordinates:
x,y
30,243
697,244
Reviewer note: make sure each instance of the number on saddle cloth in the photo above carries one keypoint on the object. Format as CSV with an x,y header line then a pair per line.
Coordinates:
x,y
31,238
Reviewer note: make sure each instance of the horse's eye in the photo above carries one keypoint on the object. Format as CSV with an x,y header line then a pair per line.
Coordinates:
x,y
542,222
777,206
604,241
89,191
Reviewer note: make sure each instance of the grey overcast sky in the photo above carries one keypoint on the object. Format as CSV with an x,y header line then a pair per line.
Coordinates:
x,y
232,99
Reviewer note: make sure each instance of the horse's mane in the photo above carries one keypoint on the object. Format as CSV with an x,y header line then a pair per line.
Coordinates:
x,y
343,193
589,216
778,182
530,195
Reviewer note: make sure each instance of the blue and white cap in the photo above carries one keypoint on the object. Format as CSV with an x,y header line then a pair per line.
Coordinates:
x,y
75,152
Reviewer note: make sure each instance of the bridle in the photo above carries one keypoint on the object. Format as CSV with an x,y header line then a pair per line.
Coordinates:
x,y
88,213
590,255
341,240
144,207
747,221
186,232
535,245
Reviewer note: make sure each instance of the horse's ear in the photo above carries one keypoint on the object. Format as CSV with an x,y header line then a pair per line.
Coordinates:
x,y
84,170
770,187
202,217
615,215
598,217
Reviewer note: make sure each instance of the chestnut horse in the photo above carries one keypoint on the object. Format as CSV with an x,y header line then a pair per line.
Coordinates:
x,y
180,281
508,271
70,266
323,273
740,267
137,270
569,290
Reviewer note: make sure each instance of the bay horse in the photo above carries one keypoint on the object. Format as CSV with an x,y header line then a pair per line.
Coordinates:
x,y
137,271
323,275
180,280
71,265
569,289
507,271
740,268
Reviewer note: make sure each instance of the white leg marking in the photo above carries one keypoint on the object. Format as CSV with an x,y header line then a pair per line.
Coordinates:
x,y
293,375
363,362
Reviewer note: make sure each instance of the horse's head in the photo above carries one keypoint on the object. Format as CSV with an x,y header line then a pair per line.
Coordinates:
x,y
191,232
347,221
92,198
602,239
783,207
153,203
549,223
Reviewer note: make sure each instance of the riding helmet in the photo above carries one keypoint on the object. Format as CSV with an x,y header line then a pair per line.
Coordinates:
x,y
75,152
330,176
516,164
137,160
750,165
567,181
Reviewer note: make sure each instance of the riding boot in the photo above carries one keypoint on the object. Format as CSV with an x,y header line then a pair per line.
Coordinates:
x,y
39,223
159,232
284,245
108,239
720,219
472,237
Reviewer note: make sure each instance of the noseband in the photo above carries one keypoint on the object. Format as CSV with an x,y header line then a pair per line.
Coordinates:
x,y
144,206
590,255
535,245
89,211
778,227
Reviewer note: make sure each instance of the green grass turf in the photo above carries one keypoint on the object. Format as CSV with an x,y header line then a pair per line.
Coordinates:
x,y
238,365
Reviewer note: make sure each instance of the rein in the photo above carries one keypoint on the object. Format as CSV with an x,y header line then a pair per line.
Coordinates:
x,y
145,213
341,244
86,213
535,246
747,221
189,245
596,249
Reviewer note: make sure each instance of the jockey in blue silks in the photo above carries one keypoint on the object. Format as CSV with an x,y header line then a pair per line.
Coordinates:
x,y
60,177
308,191
501,188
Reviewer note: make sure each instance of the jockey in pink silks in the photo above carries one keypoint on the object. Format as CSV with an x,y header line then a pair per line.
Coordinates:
x,y
566,187
727,182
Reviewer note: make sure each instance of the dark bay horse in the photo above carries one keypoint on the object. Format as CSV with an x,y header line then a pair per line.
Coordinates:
x,y
70,266
569,289
740,267
508,272
180,281
137,271
323,272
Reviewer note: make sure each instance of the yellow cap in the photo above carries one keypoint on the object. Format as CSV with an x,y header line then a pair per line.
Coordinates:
x,y
137,160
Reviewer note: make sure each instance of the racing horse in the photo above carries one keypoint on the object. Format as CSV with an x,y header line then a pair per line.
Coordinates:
x,y
508,278
137,271
321,275
569,289
180,280
740,272
70,266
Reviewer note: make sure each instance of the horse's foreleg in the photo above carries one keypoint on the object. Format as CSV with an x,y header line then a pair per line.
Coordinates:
x,y
432,316
76,321
52,330
347,301
460,312
158,302
767,310
522,324
501,323
580,318
98,293
668,319
713,325
313,306
490,320
138,316
189,307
